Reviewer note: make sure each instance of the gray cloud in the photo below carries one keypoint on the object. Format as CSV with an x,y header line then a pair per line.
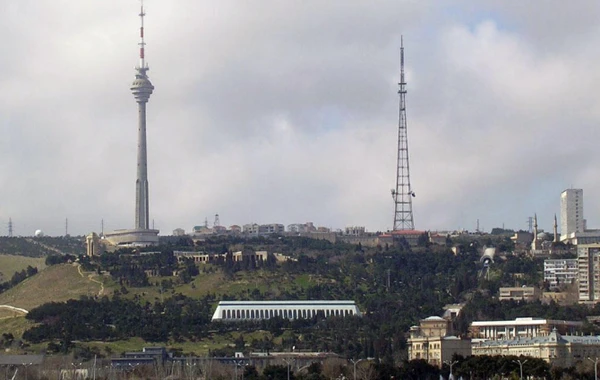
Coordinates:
x,y
287,112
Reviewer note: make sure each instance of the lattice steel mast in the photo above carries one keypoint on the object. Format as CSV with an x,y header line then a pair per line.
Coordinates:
x,y
402,195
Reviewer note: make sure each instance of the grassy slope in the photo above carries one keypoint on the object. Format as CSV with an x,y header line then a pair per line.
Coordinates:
x,y
9,264
56,283
63,282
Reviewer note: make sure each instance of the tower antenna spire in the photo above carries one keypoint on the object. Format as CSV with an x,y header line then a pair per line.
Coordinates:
x,y
402,194
142,43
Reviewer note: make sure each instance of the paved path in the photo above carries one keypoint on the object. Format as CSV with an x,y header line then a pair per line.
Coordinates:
x,y
14,308
92,279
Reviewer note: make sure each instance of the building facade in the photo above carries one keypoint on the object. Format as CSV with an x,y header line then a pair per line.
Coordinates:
x,y
571,213
432,341
520,328
560,271
233,311
588,256
520,293
554,348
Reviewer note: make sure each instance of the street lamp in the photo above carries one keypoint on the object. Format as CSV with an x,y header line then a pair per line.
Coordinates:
x,y
520,363
355,363
26,372
288,367
595,361
450,364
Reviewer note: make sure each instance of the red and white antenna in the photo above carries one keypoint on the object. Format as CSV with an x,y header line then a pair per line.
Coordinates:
x,y
142,43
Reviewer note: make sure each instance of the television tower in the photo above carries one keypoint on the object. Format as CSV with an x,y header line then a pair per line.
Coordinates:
x,y
142,88
402,195
10,227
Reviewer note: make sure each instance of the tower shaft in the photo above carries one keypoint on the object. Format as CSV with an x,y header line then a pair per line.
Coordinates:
x,y
402,195
142,210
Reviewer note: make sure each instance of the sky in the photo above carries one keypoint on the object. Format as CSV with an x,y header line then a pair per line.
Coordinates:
x,y
287,112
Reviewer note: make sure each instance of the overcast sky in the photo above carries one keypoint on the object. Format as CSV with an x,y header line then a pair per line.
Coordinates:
x,y
286,111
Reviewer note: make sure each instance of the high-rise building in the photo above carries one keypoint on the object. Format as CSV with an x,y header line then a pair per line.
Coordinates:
x,y
588,262
560,271
571,213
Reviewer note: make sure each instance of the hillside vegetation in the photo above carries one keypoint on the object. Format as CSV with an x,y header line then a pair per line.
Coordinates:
x,y
57,283
9,264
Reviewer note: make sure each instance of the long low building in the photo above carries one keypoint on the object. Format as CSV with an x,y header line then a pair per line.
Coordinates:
x,y
257,310
556,349
521,327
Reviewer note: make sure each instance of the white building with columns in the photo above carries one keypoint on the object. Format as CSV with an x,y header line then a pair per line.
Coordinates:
x,y
256,310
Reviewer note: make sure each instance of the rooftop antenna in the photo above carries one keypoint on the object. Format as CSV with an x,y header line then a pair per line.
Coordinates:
x,y
402,195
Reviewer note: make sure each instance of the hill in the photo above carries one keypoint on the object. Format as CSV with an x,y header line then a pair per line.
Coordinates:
x,y
9,264
56,283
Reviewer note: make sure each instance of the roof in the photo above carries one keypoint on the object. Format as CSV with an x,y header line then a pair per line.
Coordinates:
x,y
552,337
286,303
528,321
434,318
407,232
21,359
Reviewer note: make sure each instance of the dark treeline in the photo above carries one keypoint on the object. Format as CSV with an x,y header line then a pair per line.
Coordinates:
x,y
41,246
18,277
106,319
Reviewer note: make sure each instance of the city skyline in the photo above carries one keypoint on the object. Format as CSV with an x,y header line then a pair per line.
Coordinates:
x,y
298,125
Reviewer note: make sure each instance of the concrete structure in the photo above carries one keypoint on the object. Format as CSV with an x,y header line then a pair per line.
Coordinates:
x,y
520,293
527,327
301,227
554,348
257,310
556,238
141,88
254,229
535,243
431,341
355,230
522,238
178,232
571,213
133,237
394,237
92,245
560,271
588,264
